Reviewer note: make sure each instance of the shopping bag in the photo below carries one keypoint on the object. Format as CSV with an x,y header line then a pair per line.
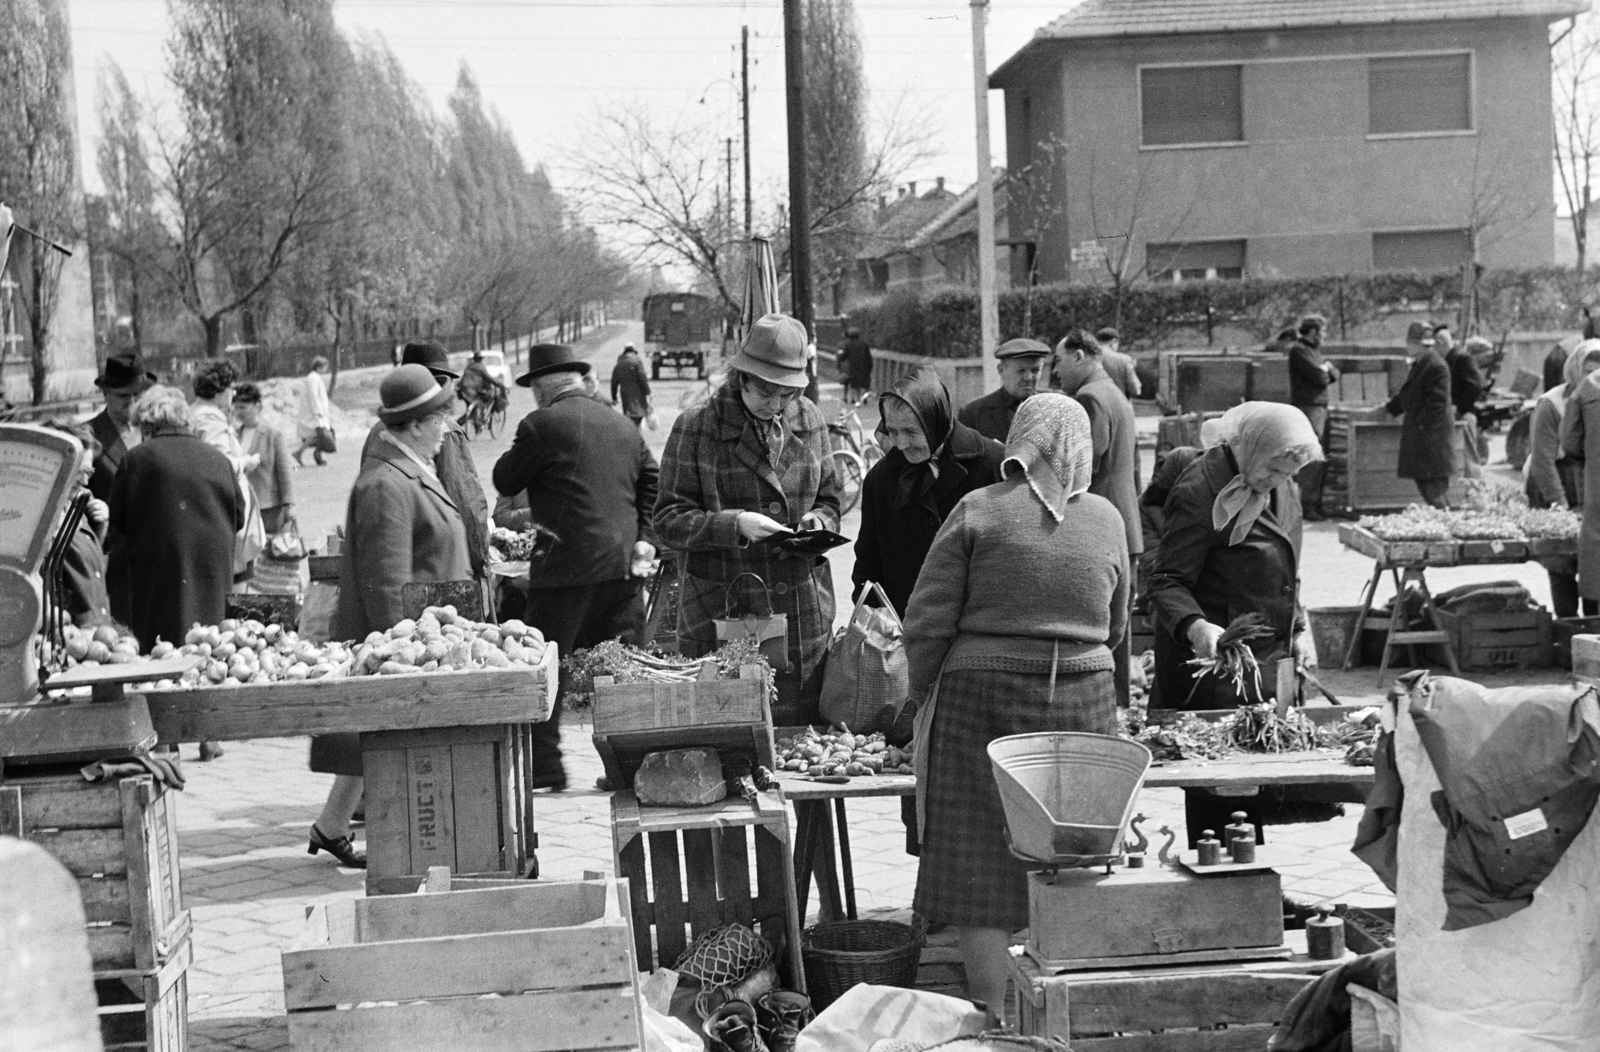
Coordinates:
x,y
867,678
769,630
286,545
326,442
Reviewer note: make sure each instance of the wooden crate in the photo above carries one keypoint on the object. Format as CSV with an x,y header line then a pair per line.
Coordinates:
x,y
119,839
1369,465
357,703
1563,629
633,719
700,876
1524,639
413,973
457,797
147,1010
1160,1009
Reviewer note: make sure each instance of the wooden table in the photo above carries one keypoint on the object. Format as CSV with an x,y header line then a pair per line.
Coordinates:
x,y
817,832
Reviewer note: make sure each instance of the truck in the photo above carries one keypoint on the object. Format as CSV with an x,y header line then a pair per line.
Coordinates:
x,y
679,328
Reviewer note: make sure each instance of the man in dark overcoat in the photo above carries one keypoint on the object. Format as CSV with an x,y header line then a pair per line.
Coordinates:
x,y
855,365
1309,379
1428,425
123,379
591,481
176,506
630,388
1021,362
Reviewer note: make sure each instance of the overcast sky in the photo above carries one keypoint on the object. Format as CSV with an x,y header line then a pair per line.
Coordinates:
x,y
545,64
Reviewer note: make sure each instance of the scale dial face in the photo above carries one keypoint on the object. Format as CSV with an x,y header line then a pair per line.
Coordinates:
x,y
36,472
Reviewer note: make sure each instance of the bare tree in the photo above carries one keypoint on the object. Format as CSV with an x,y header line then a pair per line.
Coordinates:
x,y
126,222
657,185
1125,222
38,172
1575,62
1034,204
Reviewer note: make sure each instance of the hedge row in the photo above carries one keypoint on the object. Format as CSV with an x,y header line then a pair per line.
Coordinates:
x,y
943,323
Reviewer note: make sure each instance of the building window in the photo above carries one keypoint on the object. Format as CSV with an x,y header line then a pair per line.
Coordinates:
x,y
1190,105
1421,250
1196,261
1419,94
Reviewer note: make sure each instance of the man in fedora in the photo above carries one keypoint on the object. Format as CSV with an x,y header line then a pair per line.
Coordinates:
x,y
123,379
591,481
1021,361
453,462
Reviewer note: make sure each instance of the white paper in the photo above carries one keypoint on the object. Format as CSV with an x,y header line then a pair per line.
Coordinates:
x,y
1526,824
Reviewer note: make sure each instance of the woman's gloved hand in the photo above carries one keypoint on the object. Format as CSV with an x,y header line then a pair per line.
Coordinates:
x,y
1203,636
754,526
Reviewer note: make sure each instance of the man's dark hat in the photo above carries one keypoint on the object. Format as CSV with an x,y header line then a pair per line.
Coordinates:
x,y
546,358
125,373
430,353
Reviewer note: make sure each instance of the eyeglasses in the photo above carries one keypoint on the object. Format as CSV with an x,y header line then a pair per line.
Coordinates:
x,y
771,390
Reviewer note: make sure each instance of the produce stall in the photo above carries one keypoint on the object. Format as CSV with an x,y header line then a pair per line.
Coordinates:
x,y
822,833
1406,545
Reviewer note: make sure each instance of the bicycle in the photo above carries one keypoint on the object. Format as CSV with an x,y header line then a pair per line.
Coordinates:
x,y
488,414
855,451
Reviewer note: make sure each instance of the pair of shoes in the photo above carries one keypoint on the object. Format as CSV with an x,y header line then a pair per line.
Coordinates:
x,y
603,784
343,849
733,1028
555,783
210,751
321,460
780,1016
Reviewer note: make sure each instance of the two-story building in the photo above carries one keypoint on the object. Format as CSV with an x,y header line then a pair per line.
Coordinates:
x,y
1196,139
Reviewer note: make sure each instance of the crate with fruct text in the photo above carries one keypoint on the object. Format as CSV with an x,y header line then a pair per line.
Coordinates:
x,y
1518,639
522,967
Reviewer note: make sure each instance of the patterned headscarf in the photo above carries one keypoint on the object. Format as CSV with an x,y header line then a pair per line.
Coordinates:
x,y
1574,372
1051,444
1256,432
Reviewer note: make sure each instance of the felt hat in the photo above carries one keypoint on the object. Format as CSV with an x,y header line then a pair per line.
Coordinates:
x,y
546,358
410,393
1021,348
775,349
429,353
1419,333
125,374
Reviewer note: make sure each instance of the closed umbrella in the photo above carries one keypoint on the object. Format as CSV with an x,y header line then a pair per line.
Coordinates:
x,y
760,284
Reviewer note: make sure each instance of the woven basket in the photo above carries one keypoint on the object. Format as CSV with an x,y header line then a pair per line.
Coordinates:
x,y
840,954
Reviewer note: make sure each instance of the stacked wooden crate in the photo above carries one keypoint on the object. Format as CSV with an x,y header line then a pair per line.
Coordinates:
x,y
527,967
118,838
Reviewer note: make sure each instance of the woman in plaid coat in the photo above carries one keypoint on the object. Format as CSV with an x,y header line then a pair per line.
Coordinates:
x,y
750,464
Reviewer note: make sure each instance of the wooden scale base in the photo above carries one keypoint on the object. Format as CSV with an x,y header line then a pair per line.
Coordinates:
x,y
1122,916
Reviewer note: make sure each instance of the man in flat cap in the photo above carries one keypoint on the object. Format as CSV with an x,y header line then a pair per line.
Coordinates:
x,y
1428,420
1021,361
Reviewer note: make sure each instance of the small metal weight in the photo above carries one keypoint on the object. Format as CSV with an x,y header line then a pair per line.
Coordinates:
x,y
1243,847
1240,826
1325,936
1208,848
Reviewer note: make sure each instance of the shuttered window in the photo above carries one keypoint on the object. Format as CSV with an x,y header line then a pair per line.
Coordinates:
x,y
1419,94
1196,261
1421,250
1191,104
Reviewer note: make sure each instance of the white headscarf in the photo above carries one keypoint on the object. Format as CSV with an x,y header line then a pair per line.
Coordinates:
x,y
1256,432
1050,442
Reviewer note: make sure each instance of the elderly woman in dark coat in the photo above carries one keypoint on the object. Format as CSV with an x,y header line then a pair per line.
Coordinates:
x,y
1009,631
176,503
1580,440
1231,546
400,526
747,466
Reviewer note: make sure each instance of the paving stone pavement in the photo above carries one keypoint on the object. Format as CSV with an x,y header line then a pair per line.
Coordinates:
x,y
243,822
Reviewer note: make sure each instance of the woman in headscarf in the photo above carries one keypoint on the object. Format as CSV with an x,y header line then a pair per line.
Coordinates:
x,y
1553,481
930,462
1231,546
1580,440
1009,631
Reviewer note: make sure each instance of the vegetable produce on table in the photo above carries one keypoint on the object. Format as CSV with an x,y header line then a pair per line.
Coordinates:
x,y
1252,728
626,663
826,754
1500,516
237,652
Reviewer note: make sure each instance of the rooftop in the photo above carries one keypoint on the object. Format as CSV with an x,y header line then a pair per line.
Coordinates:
x,y
1114,18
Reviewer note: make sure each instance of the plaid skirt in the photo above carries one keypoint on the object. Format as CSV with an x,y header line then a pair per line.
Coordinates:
x,y
968,876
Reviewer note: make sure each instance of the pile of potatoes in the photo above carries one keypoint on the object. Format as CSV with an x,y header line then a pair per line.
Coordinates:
x,y
103,645
237,652
443,641
834,753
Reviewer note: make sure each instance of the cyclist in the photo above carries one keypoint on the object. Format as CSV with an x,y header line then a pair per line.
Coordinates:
x,y
478,386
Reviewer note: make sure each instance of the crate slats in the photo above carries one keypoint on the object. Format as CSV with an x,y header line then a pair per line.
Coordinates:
x,y
558,959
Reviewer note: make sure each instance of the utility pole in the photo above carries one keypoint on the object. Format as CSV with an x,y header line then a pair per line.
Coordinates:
x,y
744,105
988,309
729,228
799,192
